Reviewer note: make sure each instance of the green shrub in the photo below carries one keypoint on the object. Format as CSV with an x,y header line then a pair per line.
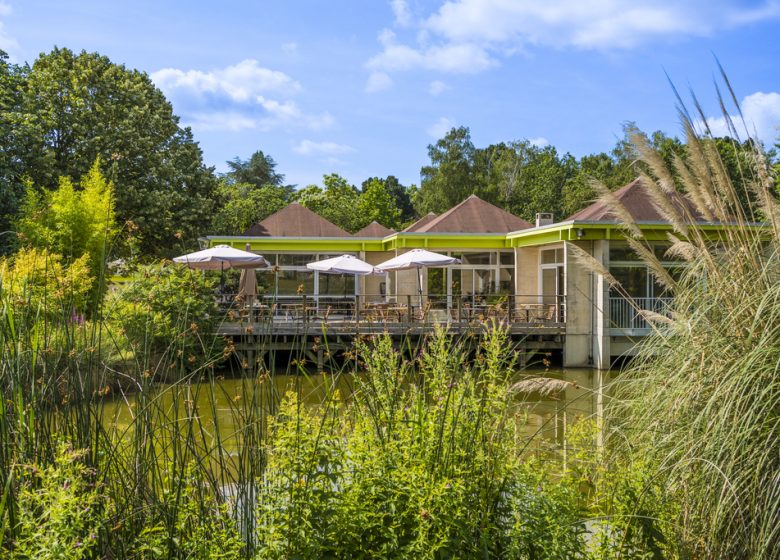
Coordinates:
x,y
165,308
59,510
422,464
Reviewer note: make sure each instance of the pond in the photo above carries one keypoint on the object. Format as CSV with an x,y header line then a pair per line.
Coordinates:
x,y
225,407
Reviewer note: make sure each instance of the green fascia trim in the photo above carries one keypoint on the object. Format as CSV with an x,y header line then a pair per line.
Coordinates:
x,y
446,241
568,231
303,244
389,243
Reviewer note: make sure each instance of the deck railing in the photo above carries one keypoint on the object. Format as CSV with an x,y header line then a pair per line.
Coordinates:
x,y
626,314
433,308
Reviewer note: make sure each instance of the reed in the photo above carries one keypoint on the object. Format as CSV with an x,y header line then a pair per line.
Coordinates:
x,y
701,402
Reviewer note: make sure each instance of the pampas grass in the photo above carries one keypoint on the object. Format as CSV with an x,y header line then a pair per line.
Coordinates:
x,y
705,411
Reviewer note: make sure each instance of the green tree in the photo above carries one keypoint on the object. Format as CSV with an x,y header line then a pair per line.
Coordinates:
x,y
451,175
244,204
75,108
337,202
11,187
259,170
401,195
377,204
531,178
71,221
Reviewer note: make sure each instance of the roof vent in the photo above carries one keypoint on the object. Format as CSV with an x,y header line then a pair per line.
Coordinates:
x,y
544,219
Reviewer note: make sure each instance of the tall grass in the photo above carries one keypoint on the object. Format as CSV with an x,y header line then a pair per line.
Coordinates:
x,y
701,402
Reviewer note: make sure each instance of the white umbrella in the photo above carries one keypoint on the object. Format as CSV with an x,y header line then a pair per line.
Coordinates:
x,y
419,259
221,257
345,264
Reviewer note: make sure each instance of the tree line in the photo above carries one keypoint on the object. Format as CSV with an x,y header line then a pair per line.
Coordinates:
x,y
68,113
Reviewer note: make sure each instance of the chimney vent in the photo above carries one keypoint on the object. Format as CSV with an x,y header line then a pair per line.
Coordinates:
x,y
544,219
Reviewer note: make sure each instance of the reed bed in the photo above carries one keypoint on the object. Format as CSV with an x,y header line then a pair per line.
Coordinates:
x,y
701,402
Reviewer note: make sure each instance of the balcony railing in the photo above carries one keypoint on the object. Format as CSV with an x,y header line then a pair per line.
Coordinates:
x,y
431,308
626,314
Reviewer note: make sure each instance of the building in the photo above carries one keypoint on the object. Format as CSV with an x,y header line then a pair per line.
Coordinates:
x,y
527,275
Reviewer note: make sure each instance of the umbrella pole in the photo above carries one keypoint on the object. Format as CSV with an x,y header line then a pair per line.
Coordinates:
x,y
419,286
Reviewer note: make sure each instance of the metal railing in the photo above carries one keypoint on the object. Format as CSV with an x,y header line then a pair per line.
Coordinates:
x,y
626,314
408,308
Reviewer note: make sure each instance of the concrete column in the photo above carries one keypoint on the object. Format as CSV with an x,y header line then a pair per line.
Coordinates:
x,y
579,300
601,346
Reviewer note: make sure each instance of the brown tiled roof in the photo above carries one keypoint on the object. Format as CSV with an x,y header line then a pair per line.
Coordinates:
x,y
295,221
636,200
474,215
374,229
421,222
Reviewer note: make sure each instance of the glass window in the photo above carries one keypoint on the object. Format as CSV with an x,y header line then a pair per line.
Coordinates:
x,y
295,282
633,279
507,258
660,253
296,259
621,254
337,284
437,281
552,256
476,258
507,280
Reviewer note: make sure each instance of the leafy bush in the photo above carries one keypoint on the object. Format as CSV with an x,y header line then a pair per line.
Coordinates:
x,y
165,308
39,285
422,465
59,510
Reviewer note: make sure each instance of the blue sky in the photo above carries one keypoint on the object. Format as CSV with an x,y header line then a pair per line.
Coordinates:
x,y
362,87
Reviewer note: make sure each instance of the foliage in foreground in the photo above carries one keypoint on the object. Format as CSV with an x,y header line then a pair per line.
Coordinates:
x,y
701,404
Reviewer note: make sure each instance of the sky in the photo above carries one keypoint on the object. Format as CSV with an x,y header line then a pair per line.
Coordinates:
x,y
362,87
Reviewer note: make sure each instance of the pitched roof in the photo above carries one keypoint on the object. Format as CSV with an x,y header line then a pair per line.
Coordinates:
x,y
374,229
474,215
421,222
637,202
295,220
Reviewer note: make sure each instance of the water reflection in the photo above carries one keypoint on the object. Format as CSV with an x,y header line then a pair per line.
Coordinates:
x,y
227,406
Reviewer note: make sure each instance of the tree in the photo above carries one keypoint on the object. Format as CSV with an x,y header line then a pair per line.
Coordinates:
x,y
74,223
259,170
11,187
531,178
244,204
75,109
451,175
399,193
377,204
337,202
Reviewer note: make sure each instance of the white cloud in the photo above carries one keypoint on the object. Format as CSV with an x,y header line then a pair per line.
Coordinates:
x,y
473,35
290,48
459,58
599,24
437,87
378,81
403,16
440,127
308,148
7,43
237,97
539,142
240,82
221,120
762,118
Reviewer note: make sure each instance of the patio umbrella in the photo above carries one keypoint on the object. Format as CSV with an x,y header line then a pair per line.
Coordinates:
x,y
345,264
221,257
419,259
247,285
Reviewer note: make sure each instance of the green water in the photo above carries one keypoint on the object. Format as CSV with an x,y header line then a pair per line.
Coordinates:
x,y
233,403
